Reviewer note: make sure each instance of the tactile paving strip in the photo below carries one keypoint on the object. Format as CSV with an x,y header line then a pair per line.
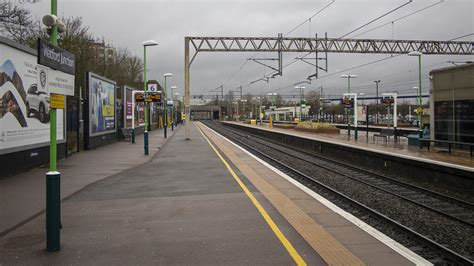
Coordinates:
x,y
331,250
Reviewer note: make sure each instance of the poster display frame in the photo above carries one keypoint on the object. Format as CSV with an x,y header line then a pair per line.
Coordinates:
x,y
90,76
41,144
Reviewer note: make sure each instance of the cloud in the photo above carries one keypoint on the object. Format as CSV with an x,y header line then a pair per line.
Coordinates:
x,y
128,23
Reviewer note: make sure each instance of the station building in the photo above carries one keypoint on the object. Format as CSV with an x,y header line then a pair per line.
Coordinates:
x,y
287,113
452,103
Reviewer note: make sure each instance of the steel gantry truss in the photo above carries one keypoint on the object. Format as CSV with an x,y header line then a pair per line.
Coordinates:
x,y
311,45
330,45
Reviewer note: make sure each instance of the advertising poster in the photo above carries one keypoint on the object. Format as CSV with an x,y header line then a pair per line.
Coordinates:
x,y
101,105
361,114
24,101
138,111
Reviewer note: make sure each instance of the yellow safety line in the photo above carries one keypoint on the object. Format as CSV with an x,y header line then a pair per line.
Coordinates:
x,y
289,247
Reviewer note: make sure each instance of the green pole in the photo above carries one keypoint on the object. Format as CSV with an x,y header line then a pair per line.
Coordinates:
x,y
52,112
172,108
420,132
53,185
301,103
145,134
165,110
347,109
349,84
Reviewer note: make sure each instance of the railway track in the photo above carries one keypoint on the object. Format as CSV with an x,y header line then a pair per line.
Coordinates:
x,y
455,210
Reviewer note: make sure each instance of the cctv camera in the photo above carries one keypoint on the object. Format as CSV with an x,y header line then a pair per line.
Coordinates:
x,y
61,26
50,20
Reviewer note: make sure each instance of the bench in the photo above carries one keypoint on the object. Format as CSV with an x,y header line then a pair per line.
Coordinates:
x,y
385,133
126,133
450,144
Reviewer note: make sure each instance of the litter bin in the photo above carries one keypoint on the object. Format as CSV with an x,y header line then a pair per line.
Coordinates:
x,y
413,140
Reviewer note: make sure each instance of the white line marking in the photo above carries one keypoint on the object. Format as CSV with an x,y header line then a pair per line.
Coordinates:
x,y
399,248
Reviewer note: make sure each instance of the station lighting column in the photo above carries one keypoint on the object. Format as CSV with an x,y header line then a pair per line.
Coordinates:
x,y
172,107
420,108
145,89
53,177
165,105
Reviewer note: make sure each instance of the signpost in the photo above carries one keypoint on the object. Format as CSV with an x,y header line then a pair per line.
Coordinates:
x,y
390,99
64,62
349,100
57,101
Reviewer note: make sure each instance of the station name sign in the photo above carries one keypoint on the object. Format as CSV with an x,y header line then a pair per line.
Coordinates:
x,y
55,57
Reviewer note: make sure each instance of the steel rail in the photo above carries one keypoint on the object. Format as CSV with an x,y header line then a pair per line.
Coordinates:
x,y
469,223
433,193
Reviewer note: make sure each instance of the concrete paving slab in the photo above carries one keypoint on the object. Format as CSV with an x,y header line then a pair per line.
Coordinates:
x,y
181,208
22,196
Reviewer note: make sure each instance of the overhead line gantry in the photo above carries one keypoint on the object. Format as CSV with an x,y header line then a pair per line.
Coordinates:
x,y
312,45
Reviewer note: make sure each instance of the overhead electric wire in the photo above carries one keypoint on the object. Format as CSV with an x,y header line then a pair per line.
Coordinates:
x,y
470,34
377,18
370,63
398,19
296,27
358,28
309,19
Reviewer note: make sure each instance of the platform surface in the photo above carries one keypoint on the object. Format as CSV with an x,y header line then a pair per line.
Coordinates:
x,y
399,148
23,196
185,207
181,208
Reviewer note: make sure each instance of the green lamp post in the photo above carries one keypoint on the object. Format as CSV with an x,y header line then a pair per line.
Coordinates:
x,y
53,177
165,104
145,88
172,107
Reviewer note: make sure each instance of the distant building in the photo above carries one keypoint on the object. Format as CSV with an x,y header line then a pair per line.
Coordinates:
x,y
104,50
199,101
287,113
452,103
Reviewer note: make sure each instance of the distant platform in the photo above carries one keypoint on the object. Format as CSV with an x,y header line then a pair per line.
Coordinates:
x,y
399,148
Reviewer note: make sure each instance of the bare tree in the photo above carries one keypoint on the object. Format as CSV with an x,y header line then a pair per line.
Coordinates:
x,y
16,23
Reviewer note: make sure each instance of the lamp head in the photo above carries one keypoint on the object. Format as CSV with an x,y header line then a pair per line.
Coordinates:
x,y
168,75
344,76
61,26
50,20
149,43
174,87
415,53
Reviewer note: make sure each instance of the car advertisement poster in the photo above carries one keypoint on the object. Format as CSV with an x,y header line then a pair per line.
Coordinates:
x,y
24,101
101,105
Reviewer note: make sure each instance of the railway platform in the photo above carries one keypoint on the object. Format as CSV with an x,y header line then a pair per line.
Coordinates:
x,y
399,148
203,201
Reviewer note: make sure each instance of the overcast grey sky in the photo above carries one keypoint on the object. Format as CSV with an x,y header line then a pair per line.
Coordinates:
x,y
129,23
